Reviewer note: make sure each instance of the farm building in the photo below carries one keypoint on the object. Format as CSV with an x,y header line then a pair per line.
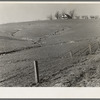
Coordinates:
x,y
77,17
94,17
66,16
85,17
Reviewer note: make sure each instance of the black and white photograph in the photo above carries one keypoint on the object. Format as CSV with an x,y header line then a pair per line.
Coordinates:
x,y
46,44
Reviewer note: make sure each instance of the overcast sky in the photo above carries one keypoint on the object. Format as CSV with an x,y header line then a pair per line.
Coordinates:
x,y
19,12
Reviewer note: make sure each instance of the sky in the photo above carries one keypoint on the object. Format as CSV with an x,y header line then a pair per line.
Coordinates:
x,y
19,12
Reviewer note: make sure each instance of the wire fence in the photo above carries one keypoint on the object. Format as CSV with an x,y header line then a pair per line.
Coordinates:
x,y
68,59
74,56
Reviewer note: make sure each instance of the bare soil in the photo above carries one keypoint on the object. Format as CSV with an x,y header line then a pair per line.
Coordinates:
x,y
49,42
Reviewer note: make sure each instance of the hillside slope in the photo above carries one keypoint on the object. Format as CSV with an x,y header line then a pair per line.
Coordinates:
x,y
50,43
85,73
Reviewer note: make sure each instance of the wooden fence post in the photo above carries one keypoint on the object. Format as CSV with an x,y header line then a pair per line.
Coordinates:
x,y
90,50
71,56
36,71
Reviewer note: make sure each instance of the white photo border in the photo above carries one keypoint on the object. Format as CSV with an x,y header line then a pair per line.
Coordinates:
x,y
50,92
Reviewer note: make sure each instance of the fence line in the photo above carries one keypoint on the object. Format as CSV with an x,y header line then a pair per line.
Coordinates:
x,y
72,55
82,51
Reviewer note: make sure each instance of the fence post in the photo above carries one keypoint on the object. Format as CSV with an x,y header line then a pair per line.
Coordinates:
x,y
36,71
90,50
71,56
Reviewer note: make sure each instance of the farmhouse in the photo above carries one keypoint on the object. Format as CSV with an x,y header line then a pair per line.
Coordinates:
x,y
66,16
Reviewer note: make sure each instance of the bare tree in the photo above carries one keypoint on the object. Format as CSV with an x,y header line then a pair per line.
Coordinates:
x,y
72,13
50,17
57,15
63,12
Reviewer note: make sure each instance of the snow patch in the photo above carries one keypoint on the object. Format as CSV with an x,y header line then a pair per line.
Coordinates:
x,y
71,41
28,39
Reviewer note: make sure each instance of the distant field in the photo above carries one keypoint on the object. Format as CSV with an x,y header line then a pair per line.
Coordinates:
x,y
48,42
